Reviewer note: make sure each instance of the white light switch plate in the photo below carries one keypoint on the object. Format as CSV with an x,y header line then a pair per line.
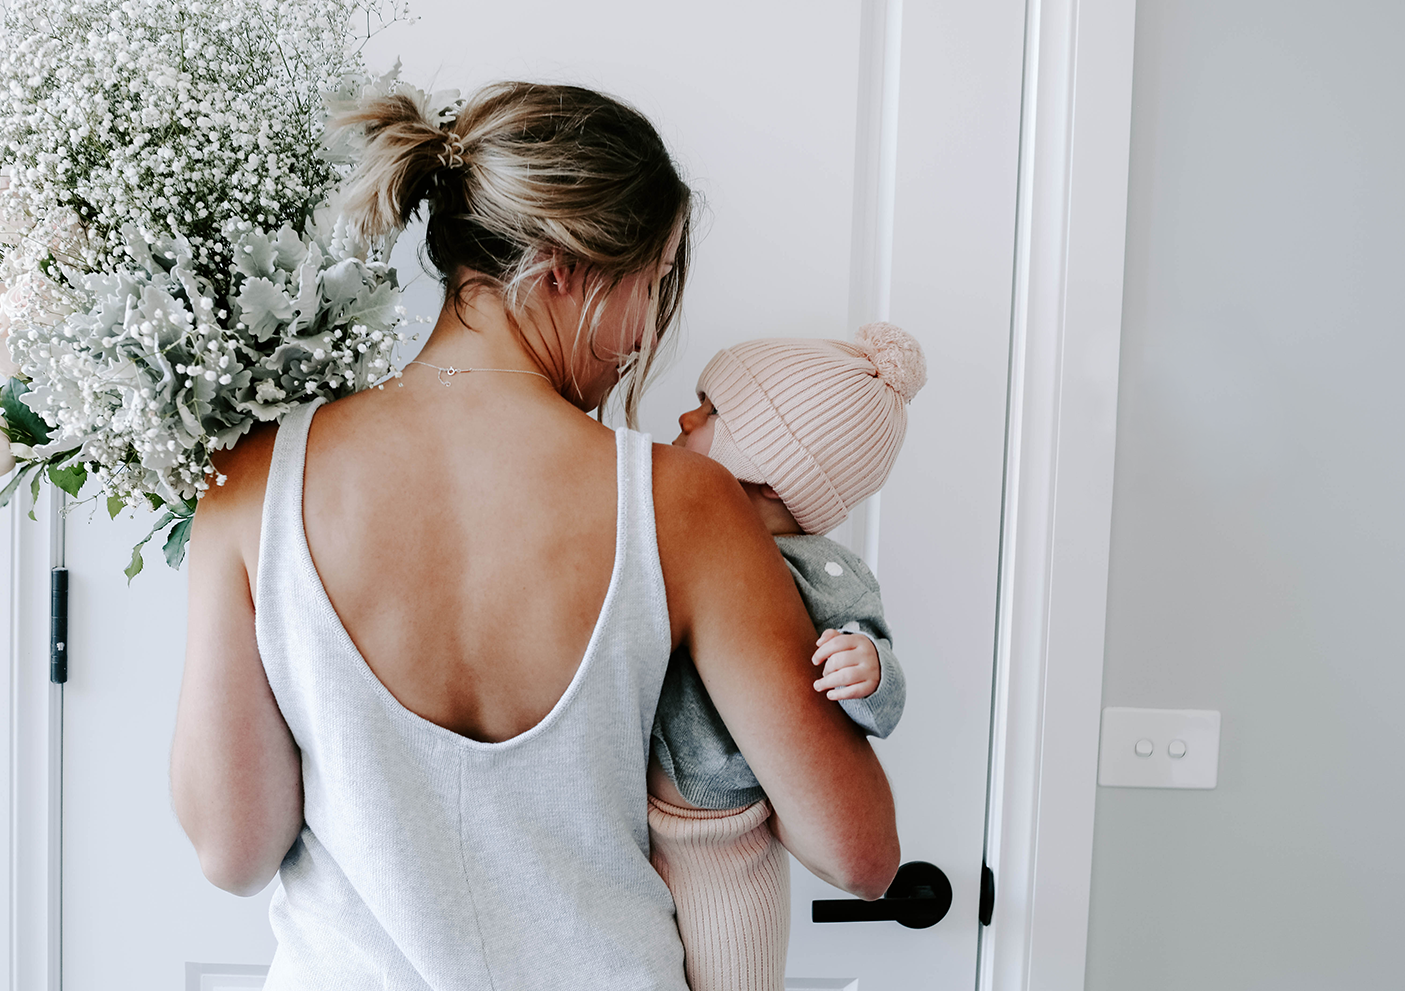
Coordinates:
x,y
1128,734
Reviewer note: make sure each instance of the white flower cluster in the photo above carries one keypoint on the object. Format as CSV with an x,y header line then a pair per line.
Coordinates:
x,y
173,268
157,373
178,118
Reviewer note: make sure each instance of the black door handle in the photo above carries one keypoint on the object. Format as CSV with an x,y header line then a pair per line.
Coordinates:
x,y
919,896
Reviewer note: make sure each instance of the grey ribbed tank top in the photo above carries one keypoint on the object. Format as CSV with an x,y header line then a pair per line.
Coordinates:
x,y
429,860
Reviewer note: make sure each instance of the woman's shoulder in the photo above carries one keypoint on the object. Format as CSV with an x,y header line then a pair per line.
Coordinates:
x,y
231,509
691,489
242,469
709,535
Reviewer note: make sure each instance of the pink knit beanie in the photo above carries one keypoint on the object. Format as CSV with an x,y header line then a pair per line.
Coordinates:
x,y
820,422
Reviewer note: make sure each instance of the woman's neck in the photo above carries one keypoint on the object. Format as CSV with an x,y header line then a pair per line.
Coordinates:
x,y
478,334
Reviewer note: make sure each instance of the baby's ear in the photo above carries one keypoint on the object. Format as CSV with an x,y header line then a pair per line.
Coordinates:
x,y
769,493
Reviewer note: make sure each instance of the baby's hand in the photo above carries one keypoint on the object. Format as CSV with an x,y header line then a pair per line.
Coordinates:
x,y
851,668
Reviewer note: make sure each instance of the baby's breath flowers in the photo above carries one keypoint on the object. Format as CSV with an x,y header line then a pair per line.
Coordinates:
x,y
172,266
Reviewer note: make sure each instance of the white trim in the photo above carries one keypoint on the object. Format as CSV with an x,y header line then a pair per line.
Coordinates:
x,y
875,162
34,742
10,913
1071,227
875,199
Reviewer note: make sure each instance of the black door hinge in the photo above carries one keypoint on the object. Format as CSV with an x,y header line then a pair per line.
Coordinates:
x,y
58,626
987,909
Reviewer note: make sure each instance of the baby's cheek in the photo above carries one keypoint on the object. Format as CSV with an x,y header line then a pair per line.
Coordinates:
x,y
700,440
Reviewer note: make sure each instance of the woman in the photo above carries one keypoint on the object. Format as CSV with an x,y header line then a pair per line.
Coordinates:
x,y
429,622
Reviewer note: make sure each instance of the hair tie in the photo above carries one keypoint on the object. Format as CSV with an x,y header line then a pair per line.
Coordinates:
x,y
452,155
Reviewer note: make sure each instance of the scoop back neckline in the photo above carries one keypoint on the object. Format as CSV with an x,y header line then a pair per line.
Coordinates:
x,y
394,705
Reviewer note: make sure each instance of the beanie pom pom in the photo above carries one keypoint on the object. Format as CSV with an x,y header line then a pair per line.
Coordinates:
x,y
896,355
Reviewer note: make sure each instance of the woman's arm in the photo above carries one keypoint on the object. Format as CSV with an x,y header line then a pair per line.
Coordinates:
x,y
733,603
236,777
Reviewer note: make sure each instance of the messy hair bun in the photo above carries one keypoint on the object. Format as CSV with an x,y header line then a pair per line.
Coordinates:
x,y
526,176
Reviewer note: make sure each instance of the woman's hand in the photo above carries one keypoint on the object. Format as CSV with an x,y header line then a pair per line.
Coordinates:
x,y
236,775
733,603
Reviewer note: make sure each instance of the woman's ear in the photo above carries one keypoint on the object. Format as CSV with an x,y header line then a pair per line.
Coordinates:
x,y
561,278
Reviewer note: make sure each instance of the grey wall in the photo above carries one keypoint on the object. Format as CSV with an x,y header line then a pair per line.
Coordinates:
x,y
1258,544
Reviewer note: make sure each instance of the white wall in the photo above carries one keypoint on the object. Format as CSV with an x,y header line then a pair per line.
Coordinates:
x,y
1258,544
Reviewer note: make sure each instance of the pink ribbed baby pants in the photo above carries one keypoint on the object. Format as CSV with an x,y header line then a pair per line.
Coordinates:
x,y
730,879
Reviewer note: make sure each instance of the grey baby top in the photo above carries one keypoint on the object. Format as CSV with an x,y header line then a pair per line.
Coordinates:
x,y
689,737
432,862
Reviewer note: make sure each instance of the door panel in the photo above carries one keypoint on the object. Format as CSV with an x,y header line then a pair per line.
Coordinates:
x,y
136,908
759,101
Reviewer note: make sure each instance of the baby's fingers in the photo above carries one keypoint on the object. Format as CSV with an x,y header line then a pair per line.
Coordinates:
x,y
847,681
832,642
860,690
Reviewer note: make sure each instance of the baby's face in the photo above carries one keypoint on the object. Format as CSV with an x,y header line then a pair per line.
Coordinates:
x,y
697,426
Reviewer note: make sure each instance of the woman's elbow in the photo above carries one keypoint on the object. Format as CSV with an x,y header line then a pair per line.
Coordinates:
x,y
236,871
239,856
869,870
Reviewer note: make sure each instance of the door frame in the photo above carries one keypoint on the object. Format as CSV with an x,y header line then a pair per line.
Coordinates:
x,y
33,744
1057,513
1055,532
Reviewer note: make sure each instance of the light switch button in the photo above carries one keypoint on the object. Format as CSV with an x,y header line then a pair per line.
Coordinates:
x,y
1159,748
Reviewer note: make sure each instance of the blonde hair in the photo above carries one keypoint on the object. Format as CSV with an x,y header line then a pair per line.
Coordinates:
x,y
528,176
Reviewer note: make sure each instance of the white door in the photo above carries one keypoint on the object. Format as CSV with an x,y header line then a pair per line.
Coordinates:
x,y
855,157
136,909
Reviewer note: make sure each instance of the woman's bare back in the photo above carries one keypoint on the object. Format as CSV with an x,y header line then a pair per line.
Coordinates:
x,y
466,538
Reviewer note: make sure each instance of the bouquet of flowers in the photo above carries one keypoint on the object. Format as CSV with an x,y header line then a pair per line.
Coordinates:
x,y
172,262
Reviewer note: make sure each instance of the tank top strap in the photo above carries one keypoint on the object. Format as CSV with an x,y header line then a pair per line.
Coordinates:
x,y
282,532
634,475
639,600
638,539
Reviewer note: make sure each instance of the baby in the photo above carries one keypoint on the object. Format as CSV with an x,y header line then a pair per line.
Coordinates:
x,y
810,428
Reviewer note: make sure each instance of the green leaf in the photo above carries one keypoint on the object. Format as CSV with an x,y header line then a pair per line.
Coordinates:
x,y
34,492
69,479
8,492
263,307
114,506
134,568
175,543
22,424
156,501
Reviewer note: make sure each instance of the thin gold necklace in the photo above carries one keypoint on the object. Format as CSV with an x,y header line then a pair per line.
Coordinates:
x,y
447,373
